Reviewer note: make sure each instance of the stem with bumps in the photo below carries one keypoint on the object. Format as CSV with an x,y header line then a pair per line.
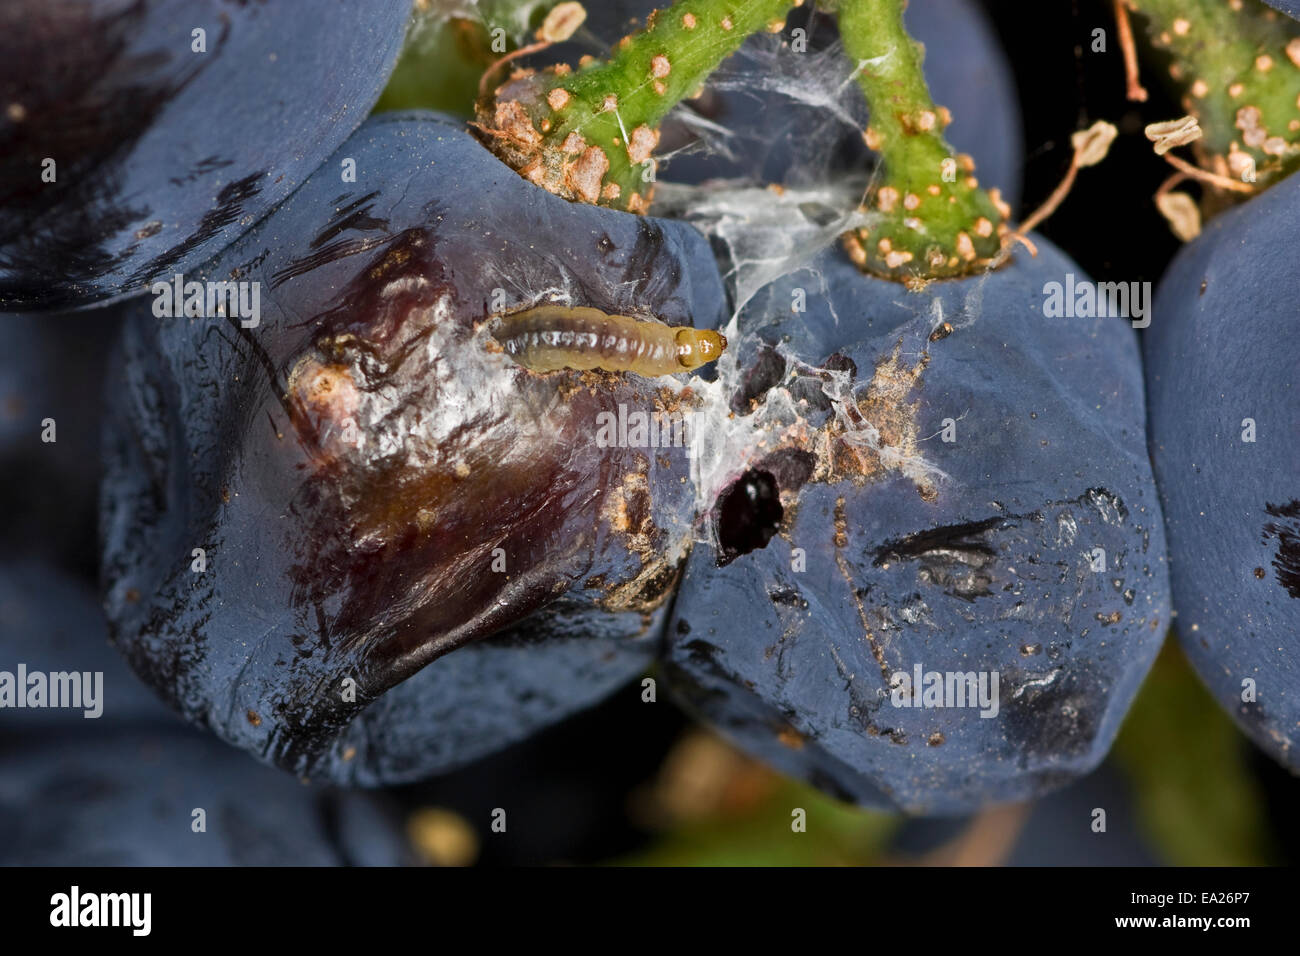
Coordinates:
x,y
589,134
929,217
1238,62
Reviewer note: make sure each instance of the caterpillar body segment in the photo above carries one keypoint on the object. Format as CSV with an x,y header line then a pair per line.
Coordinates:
x,y
551,337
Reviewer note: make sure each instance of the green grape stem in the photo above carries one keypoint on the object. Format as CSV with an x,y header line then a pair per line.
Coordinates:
x,y
930,219
589,134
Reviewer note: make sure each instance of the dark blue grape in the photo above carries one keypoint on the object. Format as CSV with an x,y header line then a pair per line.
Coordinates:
x,y
336,553
1290,7
894,548
163,155
51,623
1060,829
119,788
1223,376
51,377
128,798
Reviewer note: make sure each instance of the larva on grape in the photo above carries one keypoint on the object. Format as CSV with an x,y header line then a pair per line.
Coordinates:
x,y
550,337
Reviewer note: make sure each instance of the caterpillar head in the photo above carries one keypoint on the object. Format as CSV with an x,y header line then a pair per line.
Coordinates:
x,y
696,347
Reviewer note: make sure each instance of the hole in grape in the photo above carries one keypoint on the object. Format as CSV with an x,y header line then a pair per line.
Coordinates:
x,y
749,514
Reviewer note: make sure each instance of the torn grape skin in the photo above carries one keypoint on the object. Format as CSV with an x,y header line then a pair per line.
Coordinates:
x,y
351,464
513,468
903,548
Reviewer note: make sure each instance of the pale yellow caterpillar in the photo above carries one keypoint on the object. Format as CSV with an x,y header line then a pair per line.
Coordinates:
x,y
551,337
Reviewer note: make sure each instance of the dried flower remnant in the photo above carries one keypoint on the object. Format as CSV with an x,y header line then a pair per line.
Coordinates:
x,y
1239,66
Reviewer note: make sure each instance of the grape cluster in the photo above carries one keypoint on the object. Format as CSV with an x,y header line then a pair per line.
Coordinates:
x,y
904,540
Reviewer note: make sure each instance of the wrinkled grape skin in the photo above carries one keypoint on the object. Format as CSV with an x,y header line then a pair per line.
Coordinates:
x,y
1049,462
319,568
165,155
495,692
1222,349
